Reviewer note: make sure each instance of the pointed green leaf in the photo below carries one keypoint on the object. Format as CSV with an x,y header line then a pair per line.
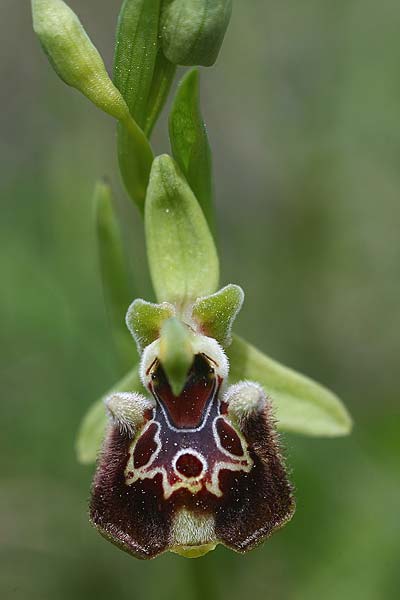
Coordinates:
x,y
92,428
135,54
189,143
145,319
193,30
182,256
176,353
163,76
301,405
117,295
215,314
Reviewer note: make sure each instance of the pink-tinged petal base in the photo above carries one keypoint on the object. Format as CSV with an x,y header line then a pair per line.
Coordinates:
x,y
190,478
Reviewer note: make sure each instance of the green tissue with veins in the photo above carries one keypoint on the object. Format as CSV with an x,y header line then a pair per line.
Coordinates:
x,y
182,256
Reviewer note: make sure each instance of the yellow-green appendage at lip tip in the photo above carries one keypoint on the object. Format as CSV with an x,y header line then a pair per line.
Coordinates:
x,y
194,551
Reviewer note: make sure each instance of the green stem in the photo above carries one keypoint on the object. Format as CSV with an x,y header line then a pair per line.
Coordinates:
x,y
202,577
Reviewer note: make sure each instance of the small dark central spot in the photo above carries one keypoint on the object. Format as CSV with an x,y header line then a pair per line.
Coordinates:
x,y
189,465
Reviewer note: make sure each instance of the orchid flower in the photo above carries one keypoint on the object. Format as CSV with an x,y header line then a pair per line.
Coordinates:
x,y
187,445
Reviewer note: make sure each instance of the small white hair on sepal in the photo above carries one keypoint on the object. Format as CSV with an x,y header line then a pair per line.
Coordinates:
x,y
149,356
126,410
245,399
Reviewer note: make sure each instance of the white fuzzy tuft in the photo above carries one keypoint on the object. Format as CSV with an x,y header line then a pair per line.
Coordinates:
x,y
126,410
190,529
245,399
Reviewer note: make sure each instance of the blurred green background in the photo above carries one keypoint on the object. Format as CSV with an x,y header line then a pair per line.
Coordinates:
x,y
303,111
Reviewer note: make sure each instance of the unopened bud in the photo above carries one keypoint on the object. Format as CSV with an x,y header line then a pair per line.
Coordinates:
x,y
74,57
193,30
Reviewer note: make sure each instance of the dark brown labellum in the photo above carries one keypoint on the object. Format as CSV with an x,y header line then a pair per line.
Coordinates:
x,y
191,477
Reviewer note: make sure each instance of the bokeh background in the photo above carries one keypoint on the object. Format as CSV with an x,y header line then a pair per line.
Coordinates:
x,y
303,111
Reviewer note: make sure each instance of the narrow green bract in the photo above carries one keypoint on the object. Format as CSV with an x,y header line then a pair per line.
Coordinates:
x,y
163,76
301,405
117,294
182,256
135,54
137,70
189,143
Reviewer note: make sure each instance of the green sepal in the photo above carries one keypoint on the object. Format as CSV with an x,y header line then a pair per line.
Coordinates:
x,y
135,54
113,273
145,319
215,314
176,353
92,429
163,76
193,30
182,256
301,405
189,143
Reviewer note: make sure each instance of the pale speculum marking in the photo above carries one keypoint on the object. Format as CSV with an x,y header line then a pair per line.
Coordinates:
x,y
187,441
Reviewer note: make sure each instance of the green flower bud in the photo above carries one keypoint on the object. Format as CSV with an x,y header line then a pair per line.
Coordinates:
x,y
79,65
193,30
74,57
